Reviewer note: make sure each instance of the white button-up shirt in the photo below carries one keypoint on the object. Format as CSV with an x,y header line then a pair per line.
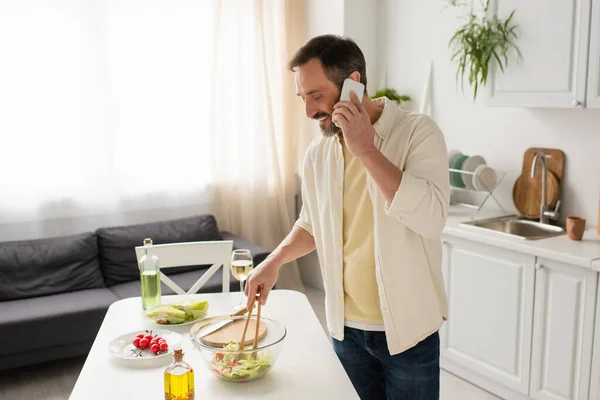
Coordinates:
x,y
408,249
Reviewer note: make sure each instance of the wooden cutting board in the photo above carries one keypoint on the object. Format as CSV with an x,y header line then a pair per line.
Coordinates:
x,y
556,162
527,193
233,333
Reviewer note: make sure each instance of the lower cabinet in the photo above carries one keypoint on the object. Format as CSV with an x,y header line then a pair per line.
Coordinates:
x,y
490,294
595,380
563,330
520,326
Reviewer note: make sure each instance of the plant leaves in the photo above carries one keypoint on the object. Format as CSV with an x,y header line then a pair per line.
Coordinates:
x,y
391,94
498,61
475,43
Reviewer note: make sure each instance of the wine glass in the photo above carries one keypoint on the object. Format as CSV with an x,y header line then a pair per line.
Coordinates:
x,y
241,265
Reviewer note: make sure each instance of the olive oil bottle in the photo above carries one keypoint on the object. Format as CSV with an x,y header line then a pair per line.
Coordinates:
x,y
179,379
149,277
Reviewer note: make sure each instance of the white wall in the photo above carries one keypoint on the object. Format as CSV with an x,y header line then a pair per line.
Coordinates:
x,y
415,32
323,17
360,24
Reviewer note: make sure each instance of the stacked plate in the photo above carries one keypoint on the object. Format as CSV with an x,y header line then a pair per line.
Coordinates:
x,y
480,176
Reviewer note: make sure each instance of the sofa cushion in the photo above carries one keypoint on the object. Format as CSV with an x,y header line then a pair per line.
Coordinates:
x,y
31,268
55,320
116,245
185,280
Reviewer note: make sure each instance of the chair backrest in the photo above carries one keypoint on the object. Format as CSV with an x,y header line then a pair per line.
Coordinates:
x,y
217,253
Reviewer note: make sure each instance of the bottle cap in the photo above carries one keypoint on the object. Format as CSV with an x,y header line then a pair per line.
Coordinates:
x,y
147,241
178,354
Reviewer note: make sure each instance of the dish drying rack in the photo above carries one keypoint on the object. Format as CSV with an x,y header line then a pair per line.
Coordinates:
x,y
484,195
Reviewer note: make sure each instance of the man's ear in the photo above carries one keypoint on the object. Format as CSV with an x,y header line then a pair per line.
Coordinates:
x,y
355,76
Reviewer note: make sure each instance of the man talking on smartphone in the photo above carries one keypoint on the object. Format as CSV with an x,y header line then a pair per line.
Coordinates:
x,y
375,193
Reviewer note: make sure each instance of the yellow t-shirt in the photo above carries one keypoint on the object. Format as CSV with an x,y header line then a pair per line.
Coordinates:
x,y
361,293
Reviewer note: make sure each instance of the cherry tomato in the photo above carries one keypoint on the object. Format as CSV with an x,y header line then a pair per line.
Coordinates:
x,y
140,336
164,346
136,342
149,337
219,356
155,348
144,343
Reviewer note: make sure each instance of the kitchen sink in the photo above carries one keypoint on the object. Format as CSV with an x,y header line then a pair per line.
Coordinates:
x,y
515,226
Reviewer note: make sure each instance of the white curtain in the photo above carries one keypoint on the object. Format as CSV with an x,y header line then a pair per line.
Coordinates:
x,y
120,111
104,113
257,120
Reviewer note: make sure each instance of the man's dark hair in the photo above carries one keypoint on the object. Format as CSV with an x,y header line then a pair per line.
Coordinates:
x,y
339,55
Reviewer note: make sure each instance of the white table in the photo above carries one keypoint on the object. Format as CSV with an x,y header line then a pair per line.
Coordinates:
x,y
307,367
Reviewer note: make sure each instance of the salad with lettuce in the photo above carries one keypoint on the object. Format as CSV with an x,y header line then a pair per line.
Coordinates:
x,y
241,367
178,313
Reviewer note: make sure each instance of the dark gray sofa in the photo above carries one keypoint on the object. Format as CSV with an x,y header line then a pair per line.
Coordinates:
x,y
55,292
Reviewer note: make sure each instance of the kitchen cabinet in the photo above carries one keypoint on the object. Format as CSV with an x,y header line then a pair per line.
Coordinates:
x,y
490,293
564,309
595,380
593,81
554,38
519,325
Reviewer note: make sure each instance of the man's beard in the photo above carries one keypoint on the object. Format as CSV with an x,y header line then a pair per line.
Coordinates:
x,y
332,130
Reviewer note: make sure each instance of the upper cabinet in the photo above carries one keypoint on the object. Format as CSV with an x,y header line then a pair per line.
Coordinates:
x,y
554,39
593,88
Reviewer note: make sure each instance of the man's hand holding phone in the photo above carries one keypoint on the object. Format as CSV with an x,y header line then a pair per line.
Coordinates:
x,y
351,116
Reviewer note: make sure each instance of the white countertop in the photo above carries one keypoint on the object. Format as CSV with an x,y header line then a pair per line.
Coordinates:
x,y
584,253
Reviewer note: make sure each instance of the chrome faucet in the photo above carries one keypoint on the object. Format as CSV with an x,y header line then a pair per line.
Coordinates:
x,y
545,213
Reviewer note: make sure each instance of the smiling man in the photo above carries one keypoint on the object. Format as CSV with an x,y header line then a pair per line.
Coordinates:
x,y
375,193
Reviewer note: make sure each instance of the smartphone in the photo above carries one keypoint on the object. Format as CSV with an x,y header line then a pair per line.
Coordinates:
x,y
351,85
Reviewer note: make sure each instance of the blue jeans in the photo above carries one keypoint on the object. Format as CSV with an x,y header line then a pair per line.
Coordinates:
x,y
375,374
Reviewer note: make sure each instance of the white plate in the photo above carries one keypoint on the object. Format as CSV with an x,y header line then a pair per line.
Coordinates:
x,y
484,178
153,322
122,346
470,164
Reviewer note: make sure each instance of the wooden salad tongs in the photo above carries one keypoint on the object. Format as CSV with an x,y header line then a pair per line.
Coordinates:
x,y
255,343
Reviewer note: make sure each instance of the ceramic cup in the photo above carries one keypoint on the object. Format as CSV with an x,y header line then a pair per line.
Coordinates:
x,y
575,227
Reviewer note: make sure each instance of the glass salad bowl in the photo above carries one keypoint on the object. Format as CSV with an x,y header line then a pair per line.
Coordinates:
x,y
227,361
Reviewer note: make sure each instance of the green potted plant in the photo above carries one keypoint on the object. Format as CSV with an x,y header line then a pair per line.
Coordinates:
x,y
392,95
482,39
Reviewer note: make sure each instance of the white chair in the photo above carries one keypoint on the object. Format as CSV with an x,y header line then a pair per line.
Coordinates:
x,y
217,253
